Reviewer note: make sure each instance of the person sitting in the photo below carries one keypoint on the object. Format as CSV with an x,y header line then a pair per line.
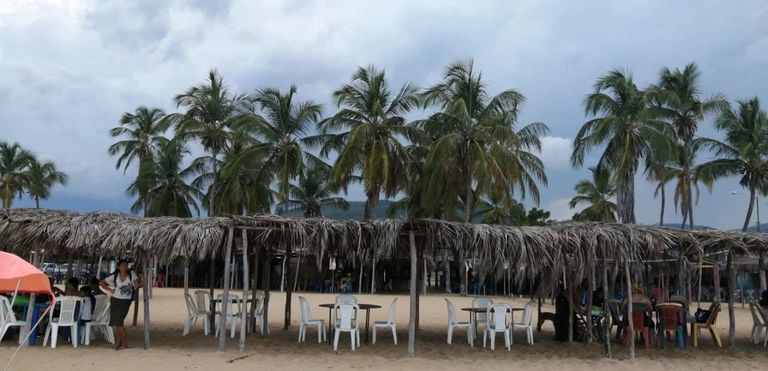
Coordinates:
x,y
89,302
639,302
71,288
764,299
55,290
95,288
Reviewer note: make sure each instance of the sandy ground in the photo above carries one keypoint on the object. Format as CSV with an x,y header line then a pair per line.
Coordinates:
x,y
171,351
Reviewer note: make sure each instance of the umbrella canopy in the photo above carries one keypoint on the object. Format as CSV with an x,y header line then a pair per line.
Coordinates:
x,y
16,272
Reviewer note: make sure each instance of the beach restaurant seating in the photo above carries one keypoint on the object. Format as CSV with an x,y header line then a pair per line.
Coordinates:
x,y
203,302
709,324
617,319
8,318
639,312
671,318
454,323
481,318
345,321
758,324
389,323
66,318
100,321
526,323
498,321
193,313
234,313
307,320
346,298
258,315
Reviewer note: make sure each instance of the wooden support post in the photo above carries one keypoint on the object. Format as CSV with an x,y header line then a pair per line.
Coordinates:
x,y
211,286
296,273
256,253
606,310
145,288
186,277
569,294
373,276
289,288
731,288
716,280
225,298
267,284
413,291
591,285
31,307
630,323
246,279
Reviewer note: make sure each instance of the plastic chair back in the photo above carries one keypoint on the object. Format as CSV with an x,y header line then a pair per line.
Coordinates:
x,y
345,314
714,309
234,304
498,315
101,309
202,299
672,314
483,303
346,298
191,307
613,308
392,309
6,313
451,312
67,310
527,313
306,315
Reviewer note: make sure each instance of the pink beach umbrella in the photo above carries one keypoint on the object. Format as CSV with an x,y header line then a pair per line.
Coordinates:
x,y
17,275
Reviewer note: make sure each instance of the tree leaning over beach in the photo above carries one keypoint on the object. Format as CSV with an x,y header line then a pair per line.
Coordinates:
x,y
627,130
476,146
743,153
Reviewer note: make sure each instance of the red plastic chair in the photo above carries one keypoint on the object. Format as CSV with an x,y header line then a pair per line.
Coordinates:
x,y
671,318
638,323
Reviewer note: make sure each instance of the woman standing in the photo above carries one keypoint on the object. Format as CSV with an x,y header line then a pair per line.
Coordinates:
x,y
122,285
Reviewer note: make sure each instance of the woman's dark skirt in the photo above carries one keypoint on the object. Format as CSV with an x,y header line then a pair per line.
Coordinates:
x,y
118,309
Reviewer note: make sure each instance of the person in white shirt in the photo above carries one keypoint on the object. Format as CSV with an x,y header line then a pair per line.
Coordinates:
x,y
86,310
121,285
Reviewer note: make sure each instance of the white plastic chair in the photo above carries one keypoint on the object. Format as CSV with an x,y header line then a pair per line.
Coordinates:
x,y
193,313
234,313
757,322
526,322
764,315
99,321
481,318
306,320
346,298
258,315
498,316
389,323
345,321
66,319
8,318
454,323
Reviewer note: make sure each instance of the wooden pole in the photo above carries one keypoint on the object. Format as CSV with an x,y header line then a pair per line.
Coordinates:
x,y
289,288
373,276
630,322
225,298
145,289
257,252
731,289
591,285
414,281
267,283
606,310
186,278
211,286
246,279
282,276
716,279
31,306
296,273
569,295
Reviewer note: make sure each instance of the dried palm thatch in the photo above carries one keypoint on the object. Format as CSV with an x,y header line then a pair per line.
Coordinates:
x,y
564,248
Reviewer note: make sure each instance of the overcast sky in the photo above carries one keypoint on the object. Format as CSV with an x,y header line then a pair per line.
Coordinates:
x,y
71,68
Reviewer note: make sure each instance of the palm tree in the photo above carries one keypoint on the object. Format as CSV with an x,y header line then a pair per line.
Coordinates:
x,y
680,100
140,133
626,128
476,149
598,194
241,187
42,177
314,191
656,171
281,131
744,152
14,171
212,114
168,193
372,122
683,169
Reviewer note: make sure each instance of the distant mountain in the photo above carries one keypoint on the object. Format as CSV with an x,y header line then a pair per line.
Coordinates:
x,y
355,211
753,229
695,227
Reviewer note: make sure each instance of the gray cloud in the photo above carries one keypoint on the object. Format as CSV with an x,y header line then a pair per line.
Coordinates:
x,y
71,69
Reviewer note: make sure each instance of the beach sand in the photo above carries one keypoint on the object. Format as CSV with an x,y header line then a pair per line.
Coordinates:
x,y
280,351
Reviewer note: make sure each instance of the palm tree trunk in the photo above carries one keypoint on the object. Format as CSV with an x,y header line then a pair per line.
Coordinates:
x,y
371,200
663,204
749,209
690,204
626,198
685,220
468,204
37,202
